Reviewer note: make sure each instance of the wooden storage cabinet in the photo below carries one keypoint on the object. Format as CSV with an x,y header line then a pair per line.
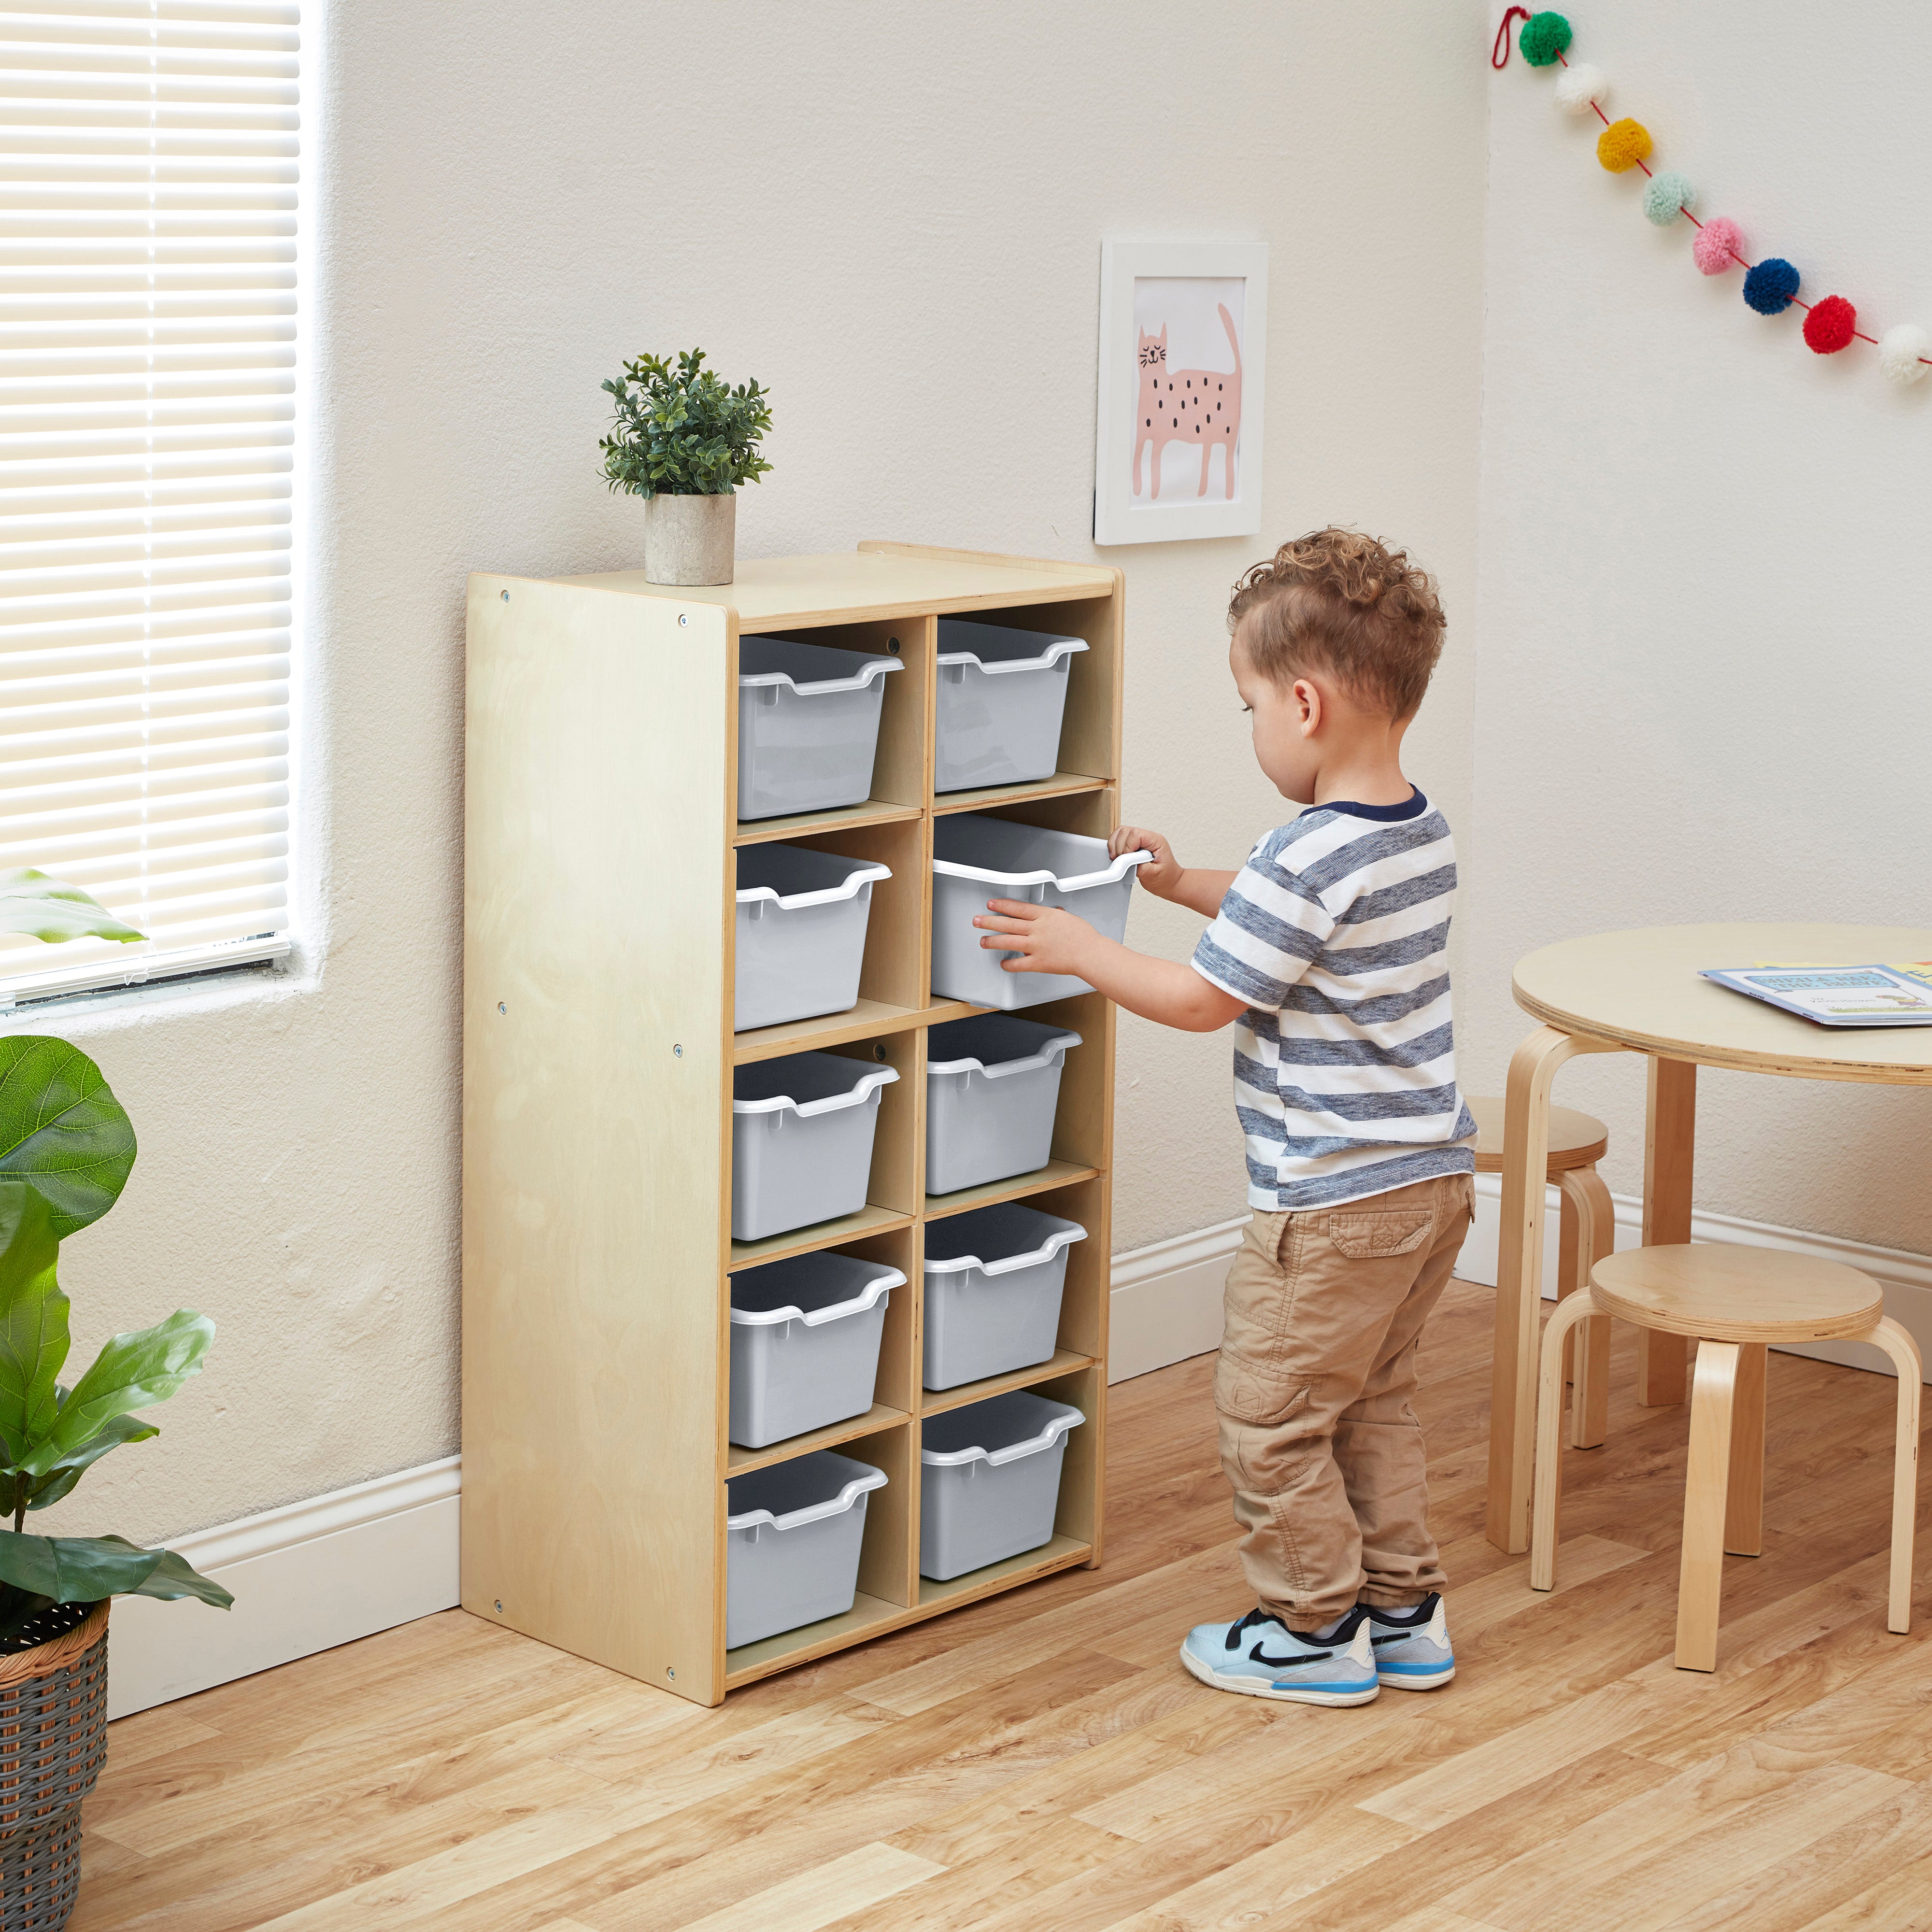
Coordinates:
x,y
599,919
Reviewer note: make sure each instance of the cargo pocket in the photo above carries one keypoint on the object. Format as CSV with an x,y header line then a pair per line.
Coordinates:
x,y
1368,1237
1247,1391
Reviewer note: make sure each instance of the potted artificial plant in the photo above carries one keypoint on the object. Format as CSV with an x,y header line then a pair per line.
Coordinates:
x,y
684,440
66,1149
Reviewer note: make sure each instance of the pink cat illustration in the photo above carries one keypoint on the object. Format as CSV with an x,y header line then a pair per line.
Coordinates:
x,y
1202,406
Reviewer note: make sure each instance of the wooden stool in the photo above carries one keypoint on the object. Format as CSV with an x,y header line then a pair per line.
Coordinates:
x,y
1586,1231
1734,1301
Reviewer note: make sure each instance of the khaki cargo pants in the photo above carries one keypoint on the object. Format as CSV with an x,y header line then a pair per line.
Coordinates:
x,y
1324,1311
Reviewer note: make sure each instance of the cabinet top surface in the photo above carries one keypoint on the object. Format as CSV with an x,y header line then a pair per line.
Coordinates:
x,y
854,584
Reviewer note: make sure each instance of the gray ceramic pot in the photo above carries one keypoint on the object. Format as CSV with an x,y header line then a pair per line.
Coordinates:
x,y
690,539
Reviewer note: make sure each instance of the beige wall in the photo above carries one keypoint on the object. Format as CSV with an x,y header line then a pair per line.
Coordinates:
x,y
892,217
1703,679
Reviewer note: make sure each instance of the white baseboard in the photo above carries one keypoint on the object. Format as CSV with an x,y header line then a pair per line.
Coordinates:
x,y
319,1573
305,1578
1166,1301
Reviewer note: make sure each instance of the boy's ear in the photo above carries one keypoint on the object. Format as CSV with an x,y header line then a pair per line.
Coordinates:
x,y
1308,706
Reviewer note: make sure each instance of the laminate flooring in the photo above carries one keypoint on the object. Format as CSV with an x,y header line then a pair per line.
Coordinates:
x,y
1039,1762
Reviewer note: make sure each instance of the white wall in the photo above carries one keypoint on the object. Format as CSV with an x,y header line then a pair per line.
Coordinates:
x,y
892,217
1702,680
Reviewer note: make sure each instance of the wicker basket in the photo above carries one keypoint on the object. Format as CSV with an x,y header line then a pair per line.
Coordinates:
x,y
53,1741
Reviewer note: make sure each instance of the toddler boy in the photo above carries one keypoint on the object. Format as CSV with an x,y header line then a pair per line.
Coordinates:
x,y
1327,950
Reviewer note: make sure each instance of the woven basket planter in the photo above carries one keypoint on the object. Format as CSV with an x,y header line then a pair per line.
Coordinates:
x,y
53,1741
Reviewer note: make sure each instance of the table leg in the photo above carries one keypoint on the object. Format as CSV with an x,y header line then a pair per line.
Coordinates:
x,y
1669,1139
1744,1498
1519,1279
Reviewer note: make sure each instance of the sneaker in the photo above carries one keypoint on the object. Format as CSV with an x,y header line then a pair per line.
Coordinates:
x,y
1411,1646
1260,1656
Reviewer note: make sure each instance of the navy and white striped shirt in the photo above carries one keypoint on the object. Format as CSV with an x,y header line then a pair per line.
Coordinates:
x,y
1335,932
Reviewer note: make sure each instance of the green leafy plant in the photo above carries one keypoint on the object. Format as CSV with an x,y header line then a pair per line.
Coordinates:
x,y
67,1148
53,910
682,431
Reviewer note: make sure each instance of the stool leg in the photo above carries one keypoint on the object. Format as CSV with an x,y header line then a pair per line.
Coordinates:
x,y
1897,1343
1744,1504
1597,1230
1549,1491
1700,1580
1569,1275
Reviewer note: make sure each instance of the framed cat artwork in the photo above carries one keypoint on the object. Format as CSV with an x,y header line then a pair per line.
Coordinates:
x,y
1183,335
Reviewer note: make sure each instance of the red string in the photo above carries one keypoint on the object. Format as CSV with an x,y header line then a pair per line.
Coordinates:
x,y
1502,46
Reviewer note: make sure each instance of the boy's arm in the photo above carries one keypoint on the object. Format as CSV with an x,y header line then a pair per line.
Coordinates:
x,y
1050,940
1200,891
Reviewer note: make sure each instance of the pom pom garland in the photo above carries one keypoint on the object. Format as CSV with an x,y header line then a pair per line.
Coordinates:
x,y
1769,287
1665,196
1622,145
1544,37
1830,325
1718,244
1580,88
1901,353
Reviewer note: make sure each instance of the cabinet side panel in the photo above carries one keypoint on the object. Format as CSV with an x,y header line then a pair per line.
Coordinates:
x,y
594,894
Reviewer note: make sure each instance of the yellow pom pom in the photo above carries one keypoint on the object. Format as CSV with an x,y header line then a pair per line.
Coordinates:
x,y
1622,145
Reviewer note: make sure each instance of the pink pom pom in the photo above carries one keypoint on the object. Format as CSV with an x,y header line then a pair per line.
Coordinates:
x,y
1717,243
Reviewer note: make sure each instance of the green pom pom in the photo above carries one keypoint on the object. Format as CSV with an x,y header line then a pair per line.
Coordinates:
x,y
1544,37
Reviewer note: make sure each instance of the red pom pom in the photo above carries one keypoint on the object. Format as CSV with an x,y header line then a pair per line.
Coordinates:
x,y
1830,325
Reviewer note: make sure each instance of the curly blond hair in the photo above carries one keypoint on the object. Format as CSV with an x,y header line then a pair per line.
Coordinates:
x,y
1339,601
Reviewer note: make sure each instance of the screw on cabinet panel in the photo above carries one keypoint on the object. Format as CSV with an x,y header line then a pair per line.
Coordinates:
x,y
893,645
500,1606
678,1052
672,1675
682,618
506,597
501,1008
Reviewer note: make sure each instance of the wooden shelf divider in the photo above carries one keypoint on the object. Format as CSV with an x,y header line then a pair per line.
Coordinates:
x,y
599,920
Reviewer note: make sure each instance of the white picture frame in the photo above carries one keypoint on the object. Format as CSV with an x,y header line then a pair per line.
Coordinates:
x,y
1209,301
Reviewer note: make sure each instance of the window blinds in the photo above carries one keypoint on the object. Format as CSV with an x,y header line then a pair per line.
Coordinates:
x,y
148,154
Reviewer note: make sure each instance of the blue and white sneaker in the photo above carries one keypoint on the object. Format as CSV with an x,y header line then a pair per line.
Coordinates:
x,y
1411,1646
1260,1656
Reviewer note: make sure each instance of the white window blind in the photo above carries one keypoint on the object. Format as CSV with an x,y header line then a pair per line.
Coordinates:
x,y
148,153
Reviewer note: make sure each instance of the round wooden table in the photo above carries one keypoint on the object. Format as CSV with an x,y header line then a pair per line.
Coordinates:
x,y
1639,992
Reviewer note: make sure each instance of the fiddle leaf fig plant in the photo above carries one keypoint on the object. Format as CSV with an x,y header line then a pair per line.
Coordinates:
x,y
683,431
51,1434
67,1148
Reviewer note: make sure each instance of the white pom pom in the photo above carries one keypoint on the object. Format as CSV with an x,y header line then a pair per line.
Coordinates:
x,y
1900,350
1577,86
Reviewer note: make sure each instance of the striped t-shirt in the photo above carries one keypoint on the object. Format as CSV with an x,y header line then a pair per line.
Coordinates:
x,y
1335,932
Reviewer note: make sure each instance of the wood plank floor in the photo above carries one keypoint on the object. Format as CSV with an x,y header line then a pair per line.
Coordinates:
x,y
1041,1763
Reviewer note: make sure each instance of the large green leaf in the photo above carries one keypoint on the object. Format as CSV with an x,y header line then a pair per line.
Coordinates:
x,y
62,1477
33,1319
51,909
62,1129
132,1371
75,1569
18,1608
171,1578
84,1569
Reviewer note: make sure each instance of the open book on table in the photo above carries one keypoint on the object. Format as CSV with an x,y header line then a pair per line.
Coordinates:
x,y
1896,994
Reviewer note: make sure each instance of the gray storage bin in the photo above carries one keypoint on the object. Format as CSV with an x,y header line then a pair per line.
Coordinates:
x,y
808,725
992,1083
805,1344
801,1132
977,859
793,1534
989,1481
1002,697
993,1278
801,940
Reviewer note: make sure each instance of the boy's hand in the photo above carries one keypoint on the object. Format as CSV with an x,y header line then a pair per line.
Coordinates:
x,y
1049,939
1162,874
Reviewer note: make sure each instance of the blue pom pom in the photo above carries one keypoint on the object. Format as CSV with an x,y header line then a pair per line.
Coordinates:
x,y
1769,287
